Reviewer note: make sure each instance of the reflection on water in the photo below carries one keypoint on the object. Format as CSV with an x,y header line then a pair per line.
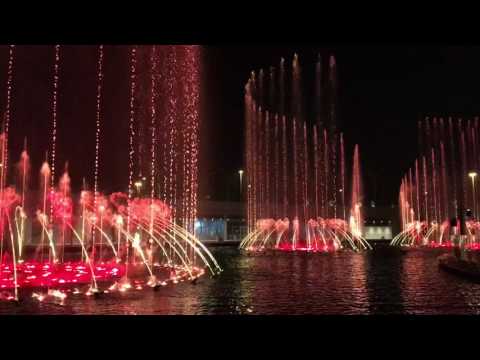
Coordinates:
x,y
384,270
383,281
428,290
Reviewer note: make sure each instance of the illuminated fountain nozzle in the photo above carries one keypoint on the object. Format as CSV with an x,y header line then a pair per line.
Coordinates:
x,y
39,297
124,285
94,291
136,241
152,282
57,294
119,220
138,185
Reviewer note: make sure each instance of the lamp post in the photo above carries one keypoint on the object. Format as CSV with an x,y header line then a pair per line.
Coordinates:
x,y
473,176
138,185
240,172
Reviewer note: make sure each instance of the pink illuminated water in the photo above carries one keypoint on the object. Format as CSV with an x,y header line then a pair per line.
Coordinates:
x,y
441,186
110,233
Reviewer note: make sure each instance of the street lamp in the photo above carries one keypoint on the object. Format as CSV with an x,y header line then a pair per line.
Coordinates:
x,y
138,185
240,172
473,176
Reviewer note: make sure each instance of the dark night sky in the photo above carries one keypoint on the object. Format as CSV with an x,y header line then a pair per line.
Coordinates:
x,y
384,90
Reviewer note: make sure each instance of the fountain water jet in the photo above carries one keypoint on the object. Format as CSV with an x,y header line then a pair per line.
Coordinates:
x,y
311,178
438,204
157,229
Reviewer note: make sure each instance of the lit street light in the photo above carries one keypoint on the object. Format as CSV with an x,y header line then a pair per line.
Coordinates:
x,y
138,185
240,172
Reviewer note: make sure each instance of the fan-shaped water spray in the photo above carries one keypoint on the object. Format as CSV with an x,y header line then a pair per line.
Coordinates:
x,y
125,240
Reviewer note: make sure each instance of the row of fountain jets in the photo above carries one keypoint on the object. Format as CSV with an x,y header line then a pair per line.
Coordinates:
x,y
298,198
122,236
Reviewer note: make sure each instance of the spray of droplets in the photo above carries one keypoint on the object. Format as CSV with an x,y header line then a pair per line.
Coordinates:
x,y
131,152
54,123
173,87
153,64
98,127
312,176
193,81
7,116
4,143
98,130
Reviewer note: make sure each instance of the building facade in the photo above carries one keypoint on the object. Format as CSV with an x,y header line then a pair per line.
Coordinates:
x,y
220,221
381,223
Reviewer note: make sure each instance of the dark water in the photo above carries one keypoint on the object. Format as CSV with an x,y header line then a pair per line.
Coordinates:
x,y
383,281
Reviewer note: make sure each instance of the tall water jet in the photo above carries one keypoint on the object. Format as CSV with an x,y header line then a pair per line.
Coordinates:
x,y
326,174
23,171
63,208
333,129
318,94
342,173
315,169
277,174
4,144
356,221
438,205
281,100
45,183
156,225
299,210
53,150
98,129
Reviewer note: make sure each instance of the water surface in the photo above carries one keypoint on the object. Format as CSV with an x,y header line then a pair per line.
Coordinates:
x,y
383,281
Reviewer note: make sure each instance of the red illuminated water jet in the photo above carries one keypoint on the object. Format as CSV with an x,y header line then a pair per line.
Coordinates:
x,y
438,200
123,240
